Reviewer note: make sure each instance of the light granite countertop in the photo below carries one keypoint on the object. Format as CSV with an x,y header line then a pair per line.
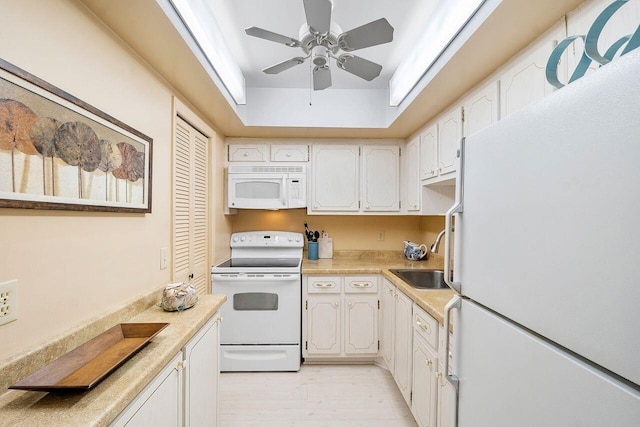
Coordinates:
x,y
380,262
102,404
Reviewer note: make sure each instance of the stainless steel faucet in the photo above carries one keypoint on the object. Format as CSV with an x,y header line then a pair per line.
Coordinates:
x,y
434,247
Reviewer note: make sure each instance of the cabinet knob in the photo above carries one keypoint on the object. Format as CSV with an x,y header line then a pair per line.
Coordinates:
x,y
335,304
288,154
315,206
368,206
350,304
246,154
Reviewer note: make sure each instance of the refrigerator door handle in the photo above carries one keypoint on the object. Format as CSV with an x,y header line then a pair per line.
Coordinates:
x,y
455,302
457,208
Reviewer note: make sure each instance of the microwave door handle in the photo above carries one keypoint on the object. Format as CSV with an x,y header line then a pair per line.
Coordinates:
x,y
284,190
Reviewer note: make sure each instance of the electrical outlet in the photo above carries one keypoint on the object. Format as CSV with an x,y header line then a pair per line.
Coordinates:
x,y
381,236
8,301
164,258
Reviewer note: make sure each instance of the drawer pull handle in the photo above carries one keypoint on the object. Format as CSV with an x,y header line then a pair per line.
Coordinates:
x,y
423,326
361,285
324,285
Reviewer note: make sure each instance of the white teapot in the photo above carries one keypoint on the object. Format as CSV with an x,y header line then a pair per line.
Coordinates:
x,y
414,251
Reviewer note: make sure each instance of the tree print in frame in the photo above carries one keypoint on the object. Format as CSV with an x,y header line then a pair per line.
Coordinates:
x,y
58,152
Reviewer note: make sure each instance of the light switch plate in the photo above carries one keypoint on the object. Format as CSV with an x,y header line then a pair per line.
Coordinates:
x,y
164,258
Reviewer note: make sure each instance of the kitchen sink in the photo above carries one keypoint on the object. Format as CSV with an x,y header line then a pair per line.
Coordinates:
x,y
422,279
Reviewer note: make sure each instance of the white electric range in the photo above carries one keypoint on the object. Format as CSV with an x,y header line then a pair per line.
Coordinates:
x,y
262,316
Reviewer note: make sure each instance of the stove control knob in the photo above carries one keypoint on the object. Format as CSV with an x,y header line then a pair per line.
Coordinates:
x,y
290,239
235,238
297,238
243,238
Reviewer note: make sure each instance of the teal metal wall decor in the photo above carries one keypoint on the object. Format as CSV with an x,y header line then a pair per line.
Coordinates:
x,y
591,53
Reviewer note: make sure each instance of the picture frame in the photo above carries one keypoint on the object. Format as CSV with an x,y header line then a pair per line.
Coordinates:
x,y
58,152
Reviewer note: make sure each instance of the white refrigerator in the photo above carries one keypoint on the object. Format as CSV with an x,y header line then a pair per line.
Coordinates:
x,y
547,260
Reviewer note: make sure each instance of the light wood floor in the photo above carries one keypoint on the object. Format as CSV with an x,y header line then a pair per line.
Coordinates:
x,y
318,395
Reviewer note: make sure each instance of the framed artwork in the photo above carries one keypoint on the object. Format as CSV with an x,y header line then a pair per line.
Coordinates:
x,y
58,152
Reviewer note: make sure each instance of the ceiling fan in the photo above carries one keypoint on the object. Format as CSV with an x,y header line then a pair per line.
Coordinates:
x,y
321,39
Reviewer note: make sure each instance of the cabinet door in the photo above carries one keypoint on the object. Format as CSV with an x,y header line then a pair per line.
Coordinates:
x,y
248,153
381,178
425,392
403,337
411,171
449,136
481,108
335,178
446,401
289,153
323,325
523,80
160,403
361,324
429,152
387,319
201,376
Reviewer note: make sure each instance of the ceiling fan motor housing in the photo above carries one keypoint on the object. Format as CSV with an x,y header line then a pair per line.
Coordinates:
x,y
319,56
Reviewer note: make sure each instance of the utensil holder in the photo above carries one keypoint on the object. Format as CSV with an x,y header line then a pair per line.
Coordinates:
x,y
312,250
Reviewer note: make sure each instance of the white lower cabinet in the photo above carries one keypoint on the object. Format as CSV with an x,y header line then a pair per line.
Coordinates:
x,y
340,316
387,321
425,368
201,375
402,339
185,392
446,392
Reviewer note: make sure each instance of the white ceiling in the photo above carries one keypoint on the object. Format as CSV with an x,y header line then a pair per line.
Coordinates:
x,y
285,17
147,29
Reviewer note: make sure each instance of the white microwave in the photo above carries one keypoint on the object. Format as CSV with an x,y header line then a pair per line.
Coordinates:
x,y
267,186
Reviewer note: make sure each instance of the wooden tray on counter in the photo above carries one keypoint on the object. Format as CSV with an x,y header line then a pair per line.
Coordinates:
x,y
85,366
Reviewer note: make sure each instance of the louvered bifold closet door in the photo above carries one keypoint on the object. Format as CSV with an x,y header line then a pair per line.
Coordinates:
x,y
190,206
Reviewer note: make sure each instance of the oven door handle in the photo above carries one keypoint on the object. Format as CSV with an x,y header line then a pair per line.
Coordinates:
x,y
255,278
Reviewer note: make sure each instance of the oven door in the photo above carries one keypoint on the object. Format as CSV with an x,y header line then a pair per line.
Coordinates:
x,y
255,191
260,308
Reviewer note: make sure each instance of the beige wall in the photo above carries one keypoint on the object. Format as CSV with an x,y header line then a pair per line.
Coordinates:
x,y
72,266
348,232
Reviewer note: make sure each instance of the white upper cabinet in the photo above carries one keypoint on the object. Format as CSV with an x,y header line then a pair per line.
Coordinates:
x,y
449,136
248,153
335,184
429,152
289,153
481,108
411,175
523,80
439,145
381,178
344,181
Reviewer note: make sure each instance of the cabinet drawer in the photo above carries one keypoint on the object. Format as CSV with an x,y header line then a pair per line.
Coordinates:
x,y
324,285
426,326
361,284
247,153
289,153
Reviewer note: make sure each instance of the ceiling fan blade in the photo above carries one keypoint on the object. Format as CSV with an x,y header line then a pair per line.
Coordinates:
x,y
321,77
270,35
318,13
359,66
371,34
284,65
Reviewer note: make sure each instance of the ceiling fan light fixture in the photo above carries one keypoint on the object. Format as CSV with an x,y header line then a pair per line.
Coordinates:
x,y
320,56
